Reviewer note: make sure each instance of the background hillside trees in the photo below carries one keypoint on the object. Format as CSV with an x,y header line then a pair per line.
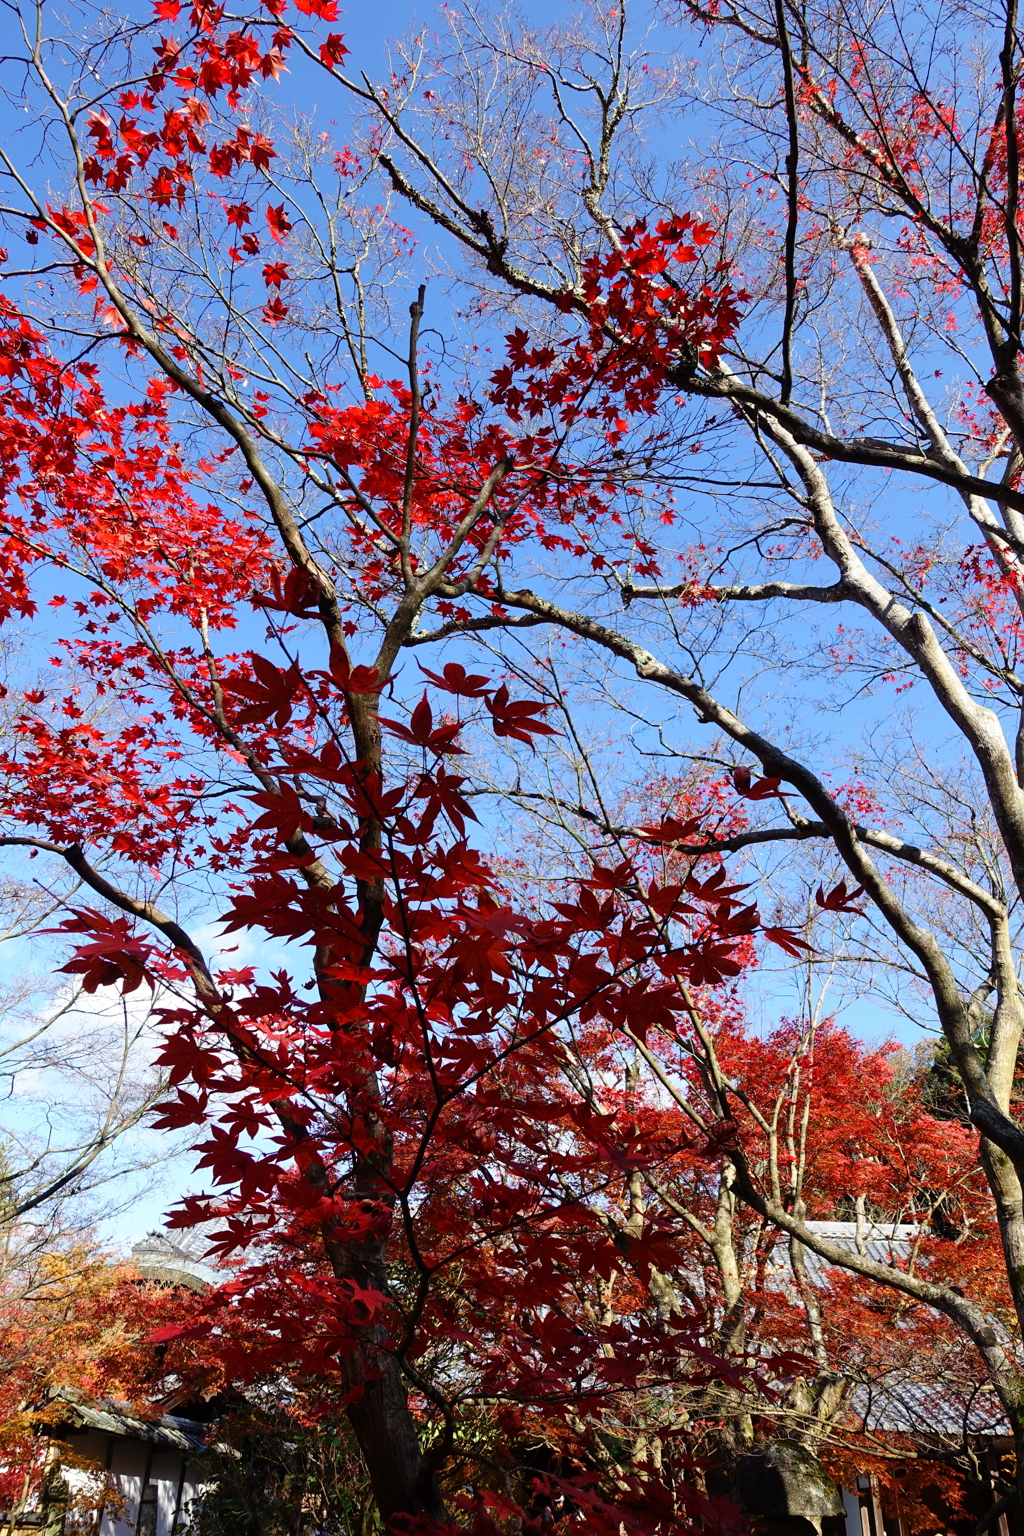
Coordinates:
x,y
75,1325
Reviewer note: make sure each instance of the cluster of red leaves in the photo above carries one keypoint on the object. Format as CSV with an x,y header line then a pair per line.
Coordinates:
x,y
872,1133
638,324
463,1012
500,1206
904,146
189,123
97,495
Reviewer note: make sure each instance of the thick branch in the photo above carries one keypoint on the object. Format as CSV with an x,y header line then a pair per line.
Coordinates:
x,y
974,1322
868,451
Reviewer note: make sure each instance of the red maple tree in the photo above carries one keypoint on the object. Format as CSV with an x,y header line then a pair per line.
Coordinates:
x,y
405,1113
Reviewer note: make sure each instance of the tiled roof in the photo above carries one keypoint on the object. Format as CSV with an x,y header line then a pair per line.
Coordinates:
x,y
940,1406
885,1242
175,1260
933,1400
169,1431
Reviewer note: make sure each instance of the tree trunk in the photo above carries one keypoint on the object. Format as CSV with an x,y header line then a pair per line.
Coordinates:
x,y
402,1480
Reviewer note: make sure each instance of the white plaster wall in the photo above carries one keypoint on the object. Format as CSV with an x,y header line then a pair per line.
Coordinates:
x,y
854,1523
165,1472
127,1469
93,1446
188,1493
